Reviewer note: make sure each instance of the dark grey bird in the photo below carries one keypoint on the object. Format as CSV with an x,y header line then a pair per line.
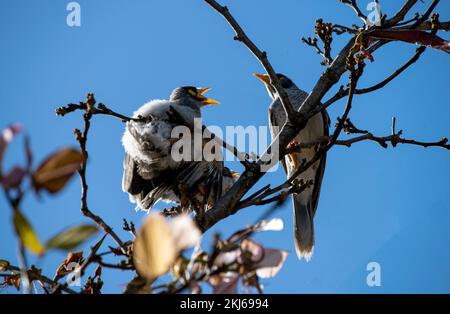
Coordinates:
x,y
305,203
150,171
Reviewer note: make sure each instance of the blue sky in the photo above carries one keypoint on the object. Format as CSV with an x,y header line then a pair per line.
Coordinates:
x,y
389,206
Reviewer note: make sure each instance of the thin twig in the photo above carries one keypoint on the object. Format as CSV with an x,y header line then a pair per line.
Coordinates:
x,y
36,275
354,6
291,114
342,92
82,140
102,109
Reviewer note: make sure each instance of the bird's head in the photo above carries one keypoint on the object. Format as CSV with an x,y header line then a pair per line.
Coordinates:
x,y
192,95
285,82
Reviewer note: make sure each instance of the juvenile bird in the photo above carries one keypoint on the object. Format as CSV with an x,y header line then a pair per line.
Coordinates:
x,y
150,171
305,203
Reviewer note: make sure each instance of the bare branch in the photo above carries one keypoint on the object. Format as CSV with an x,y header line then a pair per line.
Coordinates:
x,y
349,128
101,109
35,274
82,140
393,139
260,55
354,6
264,198
342,92
400,15
325,32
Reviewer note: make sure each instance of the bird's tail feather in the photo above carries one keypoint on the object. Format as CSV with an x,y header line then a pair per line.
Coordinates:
x,y
303,228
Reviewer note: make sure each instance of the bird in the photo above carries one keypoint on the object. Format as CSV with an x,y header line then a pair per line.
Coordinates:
x,y
151,174
304,204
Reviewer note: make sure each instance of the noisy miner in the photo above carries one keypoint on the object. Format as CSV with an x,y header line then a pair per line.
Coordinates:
x,y
150,171
305,203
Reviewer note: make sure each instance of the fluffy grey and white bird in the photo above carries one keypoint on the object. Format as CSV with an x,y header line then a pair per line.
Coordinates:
x,y
305,203
150,171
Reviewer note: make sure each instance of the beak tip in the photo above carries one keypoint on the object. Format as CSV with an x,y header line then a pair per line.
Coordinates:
x,y
263,77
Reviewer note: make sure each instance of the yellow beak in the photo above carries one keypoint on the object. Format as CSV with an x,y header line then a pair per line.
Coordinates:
x,y
263,77
205,100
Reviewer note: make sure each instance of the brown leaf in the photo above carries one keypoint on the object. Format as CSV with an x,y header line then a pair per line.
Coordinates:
x,y
92,286
13,280
53,174
414,37
64,268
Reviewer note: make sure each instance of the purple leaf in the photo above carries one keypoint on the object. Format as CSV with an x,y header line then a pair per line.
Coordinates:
x,y
224,283
271,263
14,178
414,37
6,137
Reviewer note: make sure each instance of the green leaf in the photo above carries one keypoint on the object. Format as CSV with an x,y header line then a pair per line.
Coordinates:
x,y
26,234
97,245
71,238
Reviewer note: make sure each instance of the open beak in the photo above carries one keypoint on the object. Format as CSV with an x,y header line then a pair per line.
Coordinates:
x,y
205,100
263,77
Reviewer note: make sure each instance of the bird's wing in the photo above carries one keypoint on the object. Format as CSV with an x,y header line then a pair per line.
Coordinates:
x,y
305,204
145,193
199,185
132,182
276,121
321,169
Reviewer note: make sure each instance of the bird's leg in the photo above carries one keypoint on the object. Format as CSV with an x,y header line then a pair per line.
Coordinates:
x,y
293,148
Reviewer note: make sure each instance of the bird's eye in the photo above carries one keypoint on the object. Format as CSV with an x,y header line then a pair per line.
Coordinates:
x,y
192,92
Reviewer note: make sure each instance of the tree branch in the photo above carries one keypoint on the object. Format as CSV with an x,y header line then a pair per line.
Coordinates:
x,y
82,140
33,273
394,138
400,15
342,92
102,109
354,6
260,55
